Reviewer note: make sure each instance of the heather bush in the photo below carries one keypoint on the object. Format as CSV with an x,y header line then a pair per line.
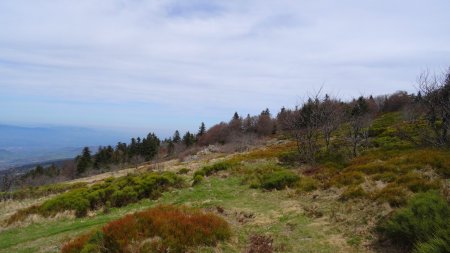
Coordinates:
x,y
353,192
424,223
159,229
347,178
393,194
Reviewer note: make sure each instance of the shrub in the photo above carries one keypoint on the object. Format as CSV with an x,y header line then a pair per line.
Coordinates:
x,y
165,228
424,222
352,192
260,244
183,171
289,158
347,178
394,195
118,192
197,179
212,169
279,180
307,184
416,183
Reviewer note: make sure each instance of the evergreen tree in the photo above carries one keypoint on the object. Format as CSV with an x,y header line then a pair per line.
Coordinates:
x,y
201,130
176,137
188,139
84,161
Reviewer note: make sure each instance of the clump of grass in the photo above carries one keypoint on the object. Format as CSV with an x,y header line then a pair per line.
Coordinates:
x,y
160,229
416,182
353,192
424,224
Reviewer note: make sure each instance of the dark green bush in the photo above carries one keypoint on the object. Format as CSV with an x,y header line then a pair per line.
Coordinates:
x,y
288,158
279,180
424,222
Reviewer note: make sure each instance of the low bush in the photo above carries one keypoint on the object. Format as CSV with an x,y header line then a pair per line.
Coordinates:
x,y
424,223
347,178
352,192
416,182
214,168
260,244
40,191
279,180
183,171
159,229
307,184
393,194
288,158
197,179
116,191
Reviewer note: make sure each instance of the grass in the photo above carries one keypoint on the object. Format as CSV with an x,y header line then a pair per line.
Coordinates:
x,y
249,211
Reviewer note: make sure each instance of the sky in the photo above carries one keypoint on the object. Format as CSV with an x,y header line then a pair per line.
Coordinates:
x,y
139,66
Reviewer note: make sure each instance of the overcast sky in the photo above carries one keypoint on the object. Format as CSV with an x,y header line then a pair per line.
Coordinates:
x,y
160,65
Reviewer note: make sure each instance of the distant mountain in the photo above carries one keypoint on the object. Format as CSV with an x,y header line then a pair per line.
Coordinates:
x,y
24,145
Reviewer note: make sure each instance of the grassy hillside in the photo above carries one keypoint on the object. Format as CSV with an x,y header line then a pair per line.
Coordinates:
x,y
339,204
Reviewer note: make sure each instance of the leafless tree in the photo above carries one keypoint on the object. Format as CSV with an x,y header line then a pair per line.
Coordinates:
x,y
360,117
306,126
331,118
435,99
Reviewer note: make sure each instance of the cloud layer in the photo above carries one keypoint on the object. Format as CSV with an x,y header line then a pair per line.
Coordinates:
x,y
165,64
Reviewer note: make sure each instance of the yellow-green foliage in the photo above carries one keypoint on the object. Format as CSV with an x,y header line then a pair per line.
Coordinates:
x,y
307,184
353,192
212,169
40,191
117,191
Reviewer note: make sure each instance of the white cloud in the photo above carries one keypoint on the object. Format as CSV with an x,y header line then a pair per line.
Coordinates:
x,y
226,55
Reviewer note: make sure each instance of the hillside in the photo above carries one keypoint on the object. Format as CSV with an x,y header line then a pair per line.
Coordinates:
x,y
368,175
331,207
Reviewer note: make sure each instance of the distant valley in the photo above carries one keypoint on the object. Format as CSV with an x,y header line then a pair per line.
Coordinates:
x,y
31,145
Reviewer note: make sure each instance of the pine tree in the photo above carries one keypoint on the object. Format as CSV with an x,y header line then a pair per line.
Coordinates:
x,y
176,137
201,130
84,161
188,139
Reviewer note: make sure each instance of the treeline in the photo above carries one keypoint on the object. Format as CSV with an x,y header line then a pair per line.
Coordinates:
x,y
321,126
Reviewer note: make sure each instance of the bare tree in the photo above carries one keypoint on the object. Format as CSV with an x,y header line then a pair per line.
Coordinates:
x,y
435,99
306,126
360,118
332,116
